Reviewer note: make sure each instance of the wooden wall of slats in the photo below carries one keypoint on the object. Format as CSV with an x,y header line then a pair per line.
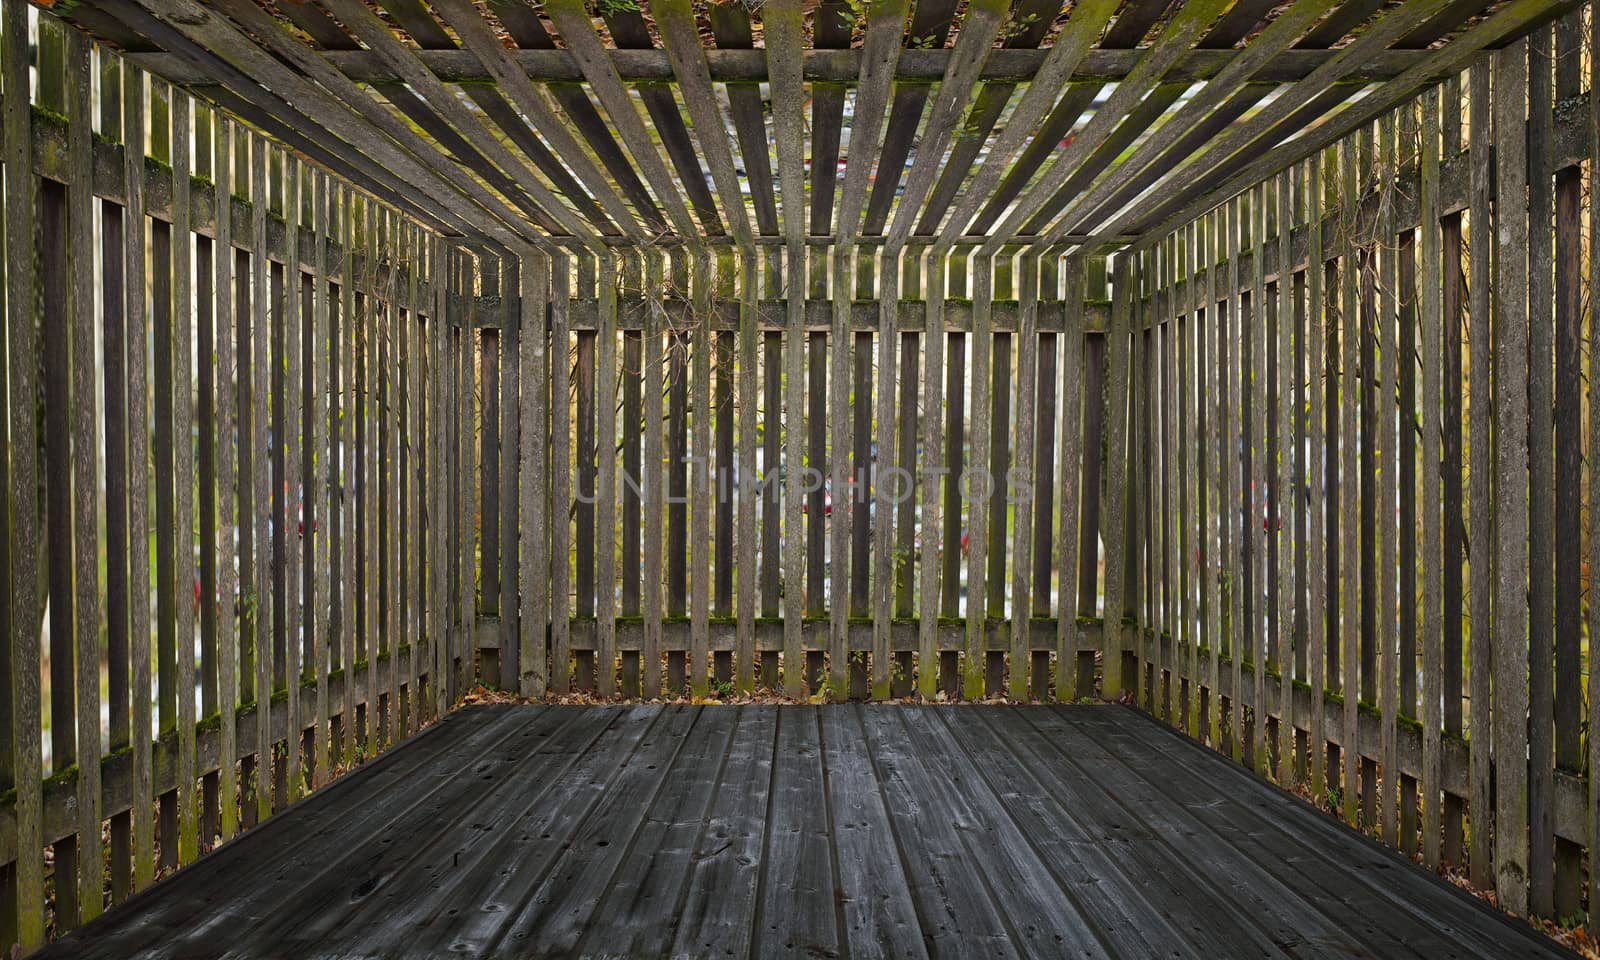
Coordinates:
x,y
675,538
217,476
1368,526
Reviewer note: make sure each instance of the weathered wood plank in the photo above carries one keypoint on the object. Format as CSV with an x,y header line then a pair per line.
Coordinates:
x,y
1290,350
261,494
1594,484
1541,479
1320,505
1432,557
1483,522
1511,341
1568,505
532,520
978,518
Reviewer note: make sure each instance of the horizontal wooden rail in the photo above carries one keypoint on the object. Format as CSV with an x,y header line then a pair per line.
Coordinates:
x,y
823,66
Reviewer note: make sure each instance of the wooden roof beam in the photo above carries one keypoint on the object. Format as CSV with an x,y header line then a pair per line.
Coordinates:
x,y
1014,65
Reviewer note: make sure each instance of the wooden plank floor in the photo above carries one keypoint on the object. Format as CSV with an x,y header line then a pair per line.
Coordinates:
x,y
765,831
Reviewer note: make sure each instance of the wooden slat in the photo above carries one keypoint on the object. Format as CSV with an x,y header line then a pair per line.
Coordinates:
x,y
1022,535
1541,492
86,600
977,594
1235,543
1481,857
1568,505
1111,61
1594,485
374,555
699,436
1116,400
560,482
229,630
24,888
352,592
603,484
1349,515
1071,447
1320,507
1214,390
655,480
290,519
746,392
1184,448
261,492
781,26
1385,449
1168,678
467,468
413,503
319,489
933,342
1511,464
1432,558
1257,323
1288,488
533,518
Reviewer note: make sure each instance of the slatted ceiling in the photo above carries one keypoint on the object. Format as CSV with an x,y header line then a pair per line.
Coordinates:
x,y
486,46
1241,102
1290,23
730,24
278,117
563,170
930,24
1027,28
578,35
629,32
830,30
1134,125
529,32
1063,117
1262,126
